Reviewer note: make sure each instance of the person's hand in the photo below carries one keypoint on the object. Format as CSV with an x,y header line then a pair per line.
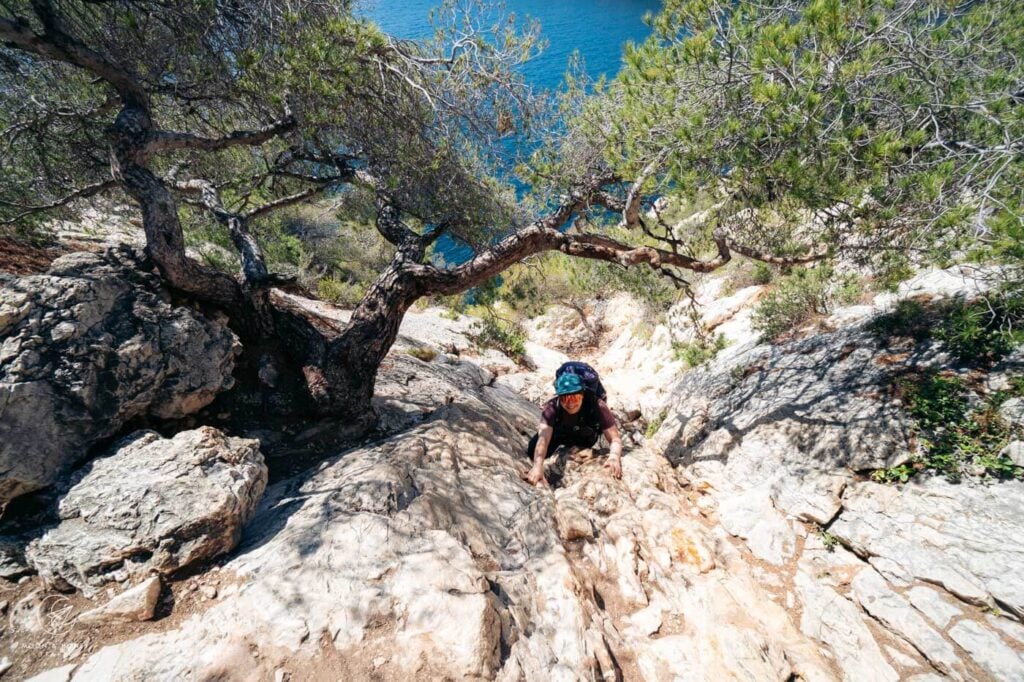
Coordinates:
x,y
614,466
535,476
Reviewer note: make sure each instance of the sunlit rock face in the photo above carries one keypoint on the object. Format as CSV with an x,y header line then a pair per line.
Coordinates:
x,y
744,541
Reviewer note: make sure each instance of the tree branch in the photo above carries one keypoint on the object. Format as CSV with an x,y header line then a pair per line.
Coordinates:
x,y
631,209
254,267
83,193
389,223
281,202
57,45
163,141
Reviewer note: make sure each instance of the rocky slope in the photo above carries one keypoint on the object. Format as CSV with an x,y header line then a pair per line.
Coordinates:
x,y
744,542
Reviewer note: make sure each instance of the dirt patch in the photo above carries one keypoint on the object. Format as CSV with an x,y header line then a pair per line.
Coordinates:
x,y
61,640
18,258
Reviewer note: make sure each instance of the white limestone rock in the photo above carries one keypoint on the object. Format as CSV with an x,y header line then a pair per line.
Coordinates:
x,y
834,620
752,516
896,613
1015,451
929,602
29,613
88,347
61,674
969,539
988,650
1012,412
155,504
133,605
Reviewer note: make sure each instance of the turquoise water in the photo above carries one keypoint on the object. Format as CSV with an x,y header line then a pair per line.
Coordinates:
x,y
597,28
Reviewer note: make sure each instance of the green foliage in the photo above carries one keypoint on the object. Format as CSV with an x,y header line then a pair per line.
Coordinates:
x,y
655,424
506,336
897,474
744,273
799,296
333,92
891,270
828,539
697,352
979,331
424,353
552,279
336,258
983,330
825,139
935,400
762,274
738,373
909,318
340,292
956,439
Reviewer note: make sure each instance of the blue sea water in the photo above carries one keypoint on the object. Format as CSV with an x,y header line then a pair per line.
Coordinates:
x,y
597,29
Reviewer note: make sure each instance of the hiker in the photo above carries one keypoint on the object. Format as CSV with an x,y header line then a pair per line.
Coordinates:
x,y
574,418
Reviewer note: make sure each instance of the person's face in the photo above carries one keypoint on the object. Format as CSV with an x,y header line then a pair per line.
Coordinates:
x,y
572,402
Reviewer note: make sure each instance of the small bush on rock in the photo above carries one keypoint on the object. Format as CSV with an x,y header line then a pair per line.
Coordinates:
x,y
908,319
981,331
798,296
503,335
655,424
422,353
697,352
340,292
956,440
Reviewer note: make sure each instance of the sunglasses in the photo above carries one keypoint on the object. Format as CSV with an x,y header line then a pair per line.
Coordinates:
x,y
571,397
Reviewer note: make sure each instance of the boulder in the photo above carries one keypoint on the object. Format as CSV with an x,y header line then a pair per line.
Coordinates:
x,y
29,613
133,605
1015,452
817,404
154,504
12,558
86,348
1012,412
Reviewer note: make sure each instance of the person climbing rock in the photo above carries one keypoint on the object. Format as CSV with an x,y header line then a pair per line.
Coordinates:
x,y
573,419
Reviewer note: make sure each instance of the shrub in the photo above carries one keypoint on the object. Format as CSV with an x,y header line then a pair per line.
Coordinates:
x,y
655,424
531,287
503,335
908,319
828,539
798,296
697,352
955,439
762,274
340,292
984,330
974,332
892,269
423,353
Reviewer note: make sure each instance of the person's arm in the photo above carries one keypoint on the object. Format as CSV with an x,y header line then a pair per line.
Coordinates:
x,y
614,461
536,474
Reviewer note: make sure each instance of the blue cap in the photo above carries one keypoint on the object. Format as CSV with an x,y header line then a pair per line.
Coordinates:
x,y
568,383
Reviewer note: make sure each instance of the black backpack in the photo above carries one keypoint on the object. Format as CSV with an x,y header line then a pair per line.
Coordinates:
x,y
587,374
